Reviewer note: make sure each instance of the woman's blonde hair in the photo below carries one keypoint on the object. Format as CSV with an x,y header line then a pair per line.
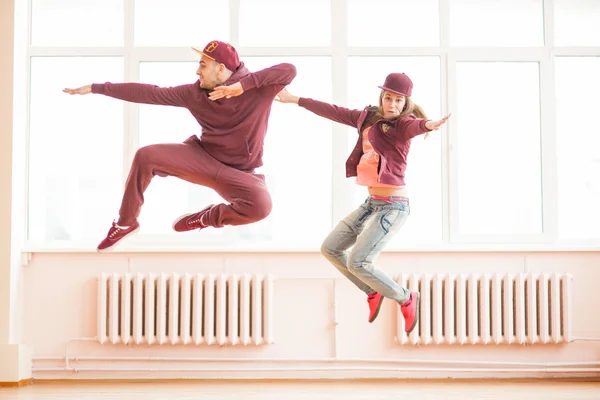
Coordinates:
x,y
410,108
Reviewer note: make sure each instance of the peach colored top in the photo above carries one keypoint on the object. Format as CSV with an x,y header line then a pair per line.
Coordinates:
x,y
367,167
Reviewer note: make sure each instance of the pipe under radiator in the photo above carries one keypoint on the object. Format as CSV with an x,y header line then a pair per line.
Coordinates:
x,y
331,368
544,366
333,360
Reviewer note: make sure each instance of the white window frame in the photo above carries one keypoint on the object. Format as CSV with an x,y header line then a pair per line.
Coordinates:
x,y
547,137
339,51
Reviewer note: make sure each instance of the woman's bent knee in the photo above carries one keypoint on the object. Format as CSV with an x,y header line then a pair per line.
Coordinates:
x,y
356,262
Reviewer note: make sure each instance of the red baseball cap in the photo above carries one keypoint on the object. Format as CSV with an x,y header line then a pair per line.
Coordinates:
x,y
398,83
221,52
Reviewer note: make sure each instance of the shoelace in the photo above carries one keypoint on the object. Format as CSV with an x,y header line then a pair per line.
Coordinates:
x,y
195,221
114,232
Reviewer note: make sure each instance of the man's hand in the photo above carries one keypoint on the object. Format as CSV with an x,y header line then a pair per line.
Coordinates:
x,y
82,90
226,91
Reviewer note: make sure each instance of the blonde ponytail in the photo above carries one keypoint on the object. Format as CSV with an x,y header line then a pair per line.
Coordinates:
x,y
412,108
418,111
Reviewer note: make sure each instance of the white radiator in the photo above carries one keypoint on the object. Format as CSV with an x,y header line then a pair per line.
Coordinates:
x,y
159,308
526,308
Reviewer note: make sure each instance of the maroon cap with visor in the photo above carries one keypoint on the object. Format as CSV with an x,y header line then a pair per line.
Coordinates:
x,y
221,52
398,83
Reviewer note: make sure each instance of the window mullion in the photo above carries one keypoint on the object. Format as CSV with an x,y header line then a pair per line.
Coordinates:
x,y
131,74
342,199
444,17
548,137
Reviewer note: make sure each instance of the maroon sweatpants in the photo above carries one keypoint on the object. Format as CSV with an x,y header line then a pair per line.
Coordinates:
x,y
246,192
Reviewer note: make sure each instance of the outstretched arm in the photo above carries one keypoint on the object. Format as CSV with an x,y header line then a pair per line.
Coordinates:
x,y
178,96
435,125
278,75
335,113
412,126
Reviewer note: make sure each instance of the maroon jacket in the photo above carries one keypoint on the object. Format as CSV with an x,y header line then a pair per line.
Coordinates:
x,y
233,130
390,139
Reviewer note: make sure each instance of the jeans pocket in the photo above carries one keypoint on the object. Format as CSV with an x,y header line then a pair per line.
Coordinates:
x,y
404,206
388,219
363,216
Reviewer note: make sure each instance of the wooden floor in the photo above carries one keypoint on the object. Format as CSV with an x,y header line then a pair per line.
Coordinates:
x,y
296,390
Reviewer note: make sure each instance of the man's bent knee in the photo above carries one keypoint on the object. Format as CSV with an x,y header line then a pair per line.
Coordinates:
x,y
263,205
255,210
144,155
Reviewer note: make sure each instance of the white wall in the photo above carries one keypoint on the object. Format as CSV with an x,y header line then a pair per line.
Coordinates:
x,y
60,305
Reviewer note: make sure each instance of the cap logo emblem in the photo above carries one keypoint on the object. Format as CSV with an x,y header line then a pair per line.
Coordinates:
x,y
211,47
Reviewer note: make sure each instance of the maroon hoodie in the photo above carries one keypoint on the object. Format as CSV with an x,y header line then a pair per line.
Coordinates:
x,y
233,130
390,139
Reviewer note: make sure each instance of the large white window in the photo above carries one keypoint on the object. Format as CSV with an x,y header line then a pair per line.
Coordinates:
x,y
177,22
267,23
373,23
75,150
578,143
496,23
518,162
69,23
576,22
498,148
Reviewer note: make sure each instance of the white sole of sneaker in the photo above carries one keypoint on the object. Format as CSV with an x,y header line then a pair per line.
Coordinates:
x,y
111,248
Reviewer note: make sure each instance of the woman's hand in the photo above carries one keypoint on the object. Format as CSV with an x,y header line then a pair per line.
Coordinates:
x,y
87,89
286,97
435,125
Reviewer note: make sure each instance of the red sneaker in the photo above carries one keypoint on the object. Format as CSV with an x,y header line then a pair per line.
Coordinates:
x,y
190,222
115,234
410,311
375,300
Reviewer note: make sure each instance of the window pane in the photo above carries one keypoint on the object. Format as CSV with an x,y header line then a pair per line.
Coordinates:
x,y
577,88
297,160
180,22
77,23
167,198
285,23
421,21
496,23
423,174
498,158
75,155
576,22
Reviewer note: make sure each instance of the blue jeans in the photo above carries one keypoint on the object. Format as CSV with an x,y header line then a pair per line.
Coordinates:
x,y
368,229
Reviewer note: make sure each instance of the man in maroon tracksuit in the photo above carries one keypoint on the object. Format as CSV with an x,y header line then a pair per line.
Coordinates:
x,y
232,105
